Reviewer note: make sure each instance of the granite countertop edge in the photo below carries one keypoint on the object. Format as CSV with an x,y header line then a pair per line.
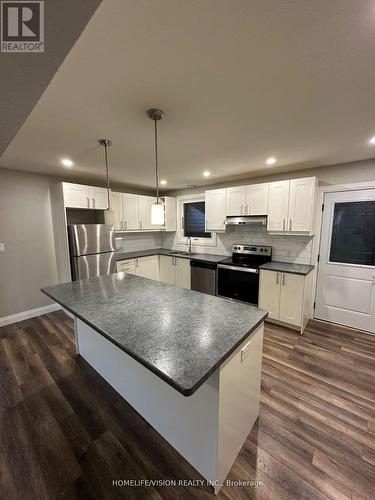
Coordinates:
x,y
288,267
185,392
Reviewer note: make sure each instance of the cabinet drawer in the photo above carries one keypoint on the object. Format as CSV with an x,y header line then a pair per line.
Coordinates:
x,y
126,265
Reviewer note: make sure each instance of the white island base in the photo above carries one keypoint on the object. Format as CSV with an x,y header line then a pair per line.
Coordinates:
x,y
207,428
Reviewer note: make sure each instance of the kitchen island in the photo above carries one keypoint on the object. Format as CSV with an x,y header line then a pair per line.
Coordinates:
x,y
188,362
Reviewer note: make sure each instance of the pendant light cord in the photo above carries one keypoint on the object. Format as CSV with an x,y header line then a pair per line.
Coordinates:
x,y
156,162
107,174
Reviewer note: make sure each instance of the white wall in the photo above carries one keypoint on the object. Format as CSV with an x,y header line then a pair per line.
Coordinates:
x,y
28,262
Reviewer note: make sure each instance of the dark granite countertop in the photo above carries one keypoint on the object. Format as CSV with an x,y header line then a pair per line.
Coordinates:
x,y
287,267
180,335
164,251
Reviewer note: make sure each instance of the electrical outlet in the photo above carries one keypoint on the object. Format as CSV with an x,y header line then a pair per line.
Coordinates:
x,y
2,247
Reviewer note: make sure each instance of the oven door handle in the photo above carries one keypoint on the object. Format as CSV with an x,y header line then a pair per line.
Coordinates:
x,y
241,269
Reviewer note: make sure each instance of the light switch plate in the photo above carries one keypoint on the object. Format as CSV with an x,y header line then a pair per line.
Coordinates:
x,y
2,247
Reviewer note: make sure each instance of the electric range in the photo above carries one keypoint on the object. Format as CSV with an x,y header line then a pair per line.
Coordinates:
x,y
238,276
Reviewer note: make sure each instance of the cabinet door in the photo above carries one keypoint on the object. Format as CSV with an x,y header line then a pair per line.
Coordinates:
x,y
98,198
130,211
116,204
167,269
76,195
301,204
236,200
148,267
291,298
170,213
215,208
257,199
269,292
126,266
144,205
182,272
278,201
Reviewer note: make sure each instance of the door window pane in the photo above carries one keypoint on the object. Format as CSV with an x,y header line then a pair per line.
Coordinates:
x,y
353,233
194,220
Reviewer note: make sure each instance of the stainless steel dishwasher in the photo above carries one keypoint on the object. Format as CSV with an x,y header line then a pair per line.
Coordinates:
x,y
203,276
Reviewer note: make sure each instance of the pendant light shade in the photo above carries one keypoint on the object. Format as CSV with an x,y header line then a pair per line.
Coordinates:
x,y
157,214
109,215
157,209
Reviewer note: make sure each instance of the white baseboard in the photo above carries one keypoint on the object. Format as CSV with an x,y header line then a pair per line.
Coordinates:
x,y
15,318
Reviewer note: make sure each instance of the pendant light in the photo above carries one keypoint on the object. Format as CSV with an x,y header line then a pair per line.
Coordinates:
x,y
109,216
157,209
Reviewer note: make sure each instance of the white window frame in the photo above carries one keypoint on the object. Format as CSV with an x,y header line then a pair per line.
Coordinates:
x,y
181,239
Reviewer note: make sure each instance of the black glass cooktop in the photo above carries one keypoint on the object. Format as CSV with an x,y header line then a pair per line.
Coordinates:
x,y
252,262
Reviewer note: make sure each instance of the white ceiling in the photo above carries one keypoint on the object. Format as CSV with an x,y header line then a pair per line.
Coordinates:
x,y
238,80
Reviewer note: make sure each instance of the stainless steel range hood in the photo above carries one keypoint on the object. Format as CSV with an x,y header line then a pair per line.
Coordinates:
x,y
246,219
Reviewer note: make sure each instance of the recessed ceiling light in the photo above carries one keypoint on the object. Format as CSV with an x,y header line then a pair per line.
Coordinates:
x,y
67,162
271,161
372,140
206,173
163,182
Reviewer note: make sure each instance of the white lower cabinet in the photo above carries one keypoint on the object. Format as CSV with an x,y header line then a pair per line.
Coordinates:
x,y
286,297
148,267
175,271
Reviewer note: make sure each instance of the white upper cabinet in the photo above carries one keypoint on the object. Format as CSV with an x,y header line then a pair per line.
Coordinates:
x,y
257,199
117,207
98,198
170,213
236,200
301,204
291,205
81,196
215,208
76,195
144,206
278,204
130,211
247,200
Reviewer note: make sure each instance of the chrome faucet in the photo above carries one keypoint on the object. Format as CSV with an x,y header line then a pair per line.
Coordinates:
x,y
188,242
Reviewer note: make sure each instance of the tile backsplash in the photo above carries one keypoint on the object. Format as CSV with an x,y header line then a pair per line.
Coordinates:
x,y
132,242
296,249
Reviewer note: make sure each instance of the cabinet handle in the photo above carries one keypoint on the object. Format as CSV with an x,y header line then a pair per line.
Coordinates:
x,y
93,202
182,223
277,278
290,224
140,224
241,209
136,262
247,210
88,202
121,224
283,279
283,224
125,224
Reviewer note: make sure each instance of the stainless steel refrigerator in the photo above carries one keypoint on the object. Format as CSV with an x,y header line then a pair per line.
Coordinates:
x,y
92,250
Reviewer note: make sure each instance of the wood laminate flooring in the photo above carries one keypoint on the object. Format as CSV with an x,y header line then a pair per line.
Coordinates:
x,y
66,434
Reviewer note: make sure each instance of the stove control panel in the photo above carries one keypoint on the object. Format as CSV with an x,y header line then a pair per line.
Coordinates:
x,y
252,249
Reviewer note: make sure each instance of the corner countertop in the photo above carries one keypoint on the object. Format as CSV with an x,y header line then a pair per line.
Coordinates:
x,y
287,267
180,335
163,251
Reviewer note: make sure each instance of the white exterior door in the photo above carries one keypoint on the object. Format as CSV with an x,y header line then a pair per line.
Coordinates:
x,y
278,201
346,275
